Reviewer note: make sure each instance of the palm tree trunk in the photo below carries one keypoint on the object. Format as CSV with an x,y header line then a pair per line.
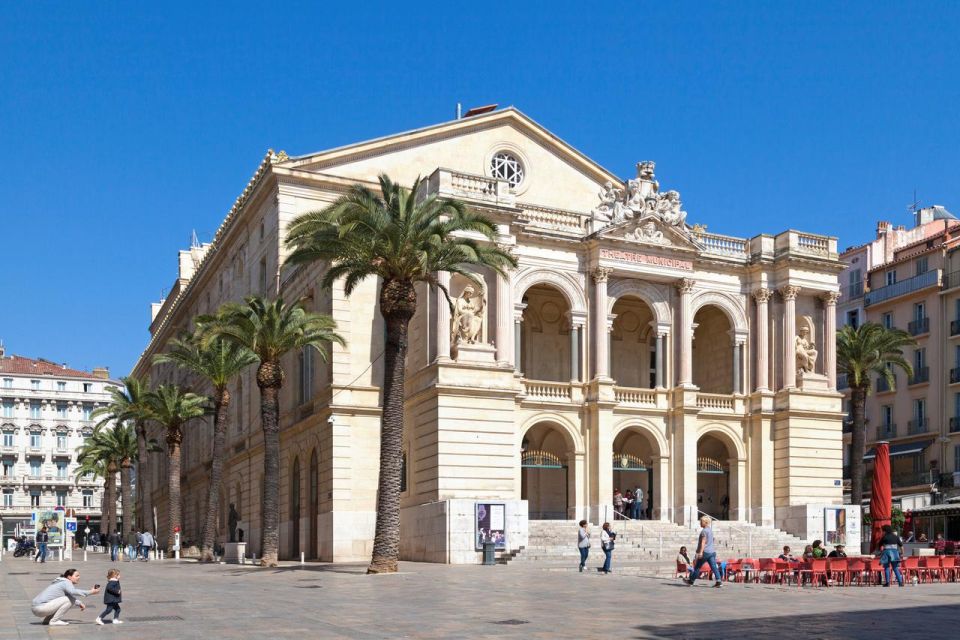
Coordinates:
x,y
208,535
109,501
858,399
270,379
144,504
174,515
126,498
397,305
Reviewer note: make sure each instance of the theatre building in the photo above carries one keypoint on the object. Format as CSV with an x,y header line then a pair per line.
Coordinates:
x,y
629,348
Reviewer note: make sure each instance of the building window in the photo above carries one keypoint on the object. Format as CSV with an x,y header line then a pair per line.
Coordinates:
x,y
403,472
61,498
61,442
34,439
886,412
35,410
61,386
35,385
87,498
891,276
306,375
506,166
263,276
922,265
853,318
8,438
34,498
61,470
919,361
8,497
35,467
920,410
61,410
87,412
8,468
8,408
887,320
87,387
8,382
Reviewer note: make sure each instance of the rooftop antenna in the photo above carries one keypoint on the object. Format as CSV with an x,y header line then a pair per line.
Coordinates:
x,y
194,241
459,111
915,205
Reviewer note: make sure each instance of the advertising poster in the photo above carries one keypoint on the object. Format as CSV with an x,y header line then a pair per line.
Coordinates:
x,y
491,525
53,521
835,526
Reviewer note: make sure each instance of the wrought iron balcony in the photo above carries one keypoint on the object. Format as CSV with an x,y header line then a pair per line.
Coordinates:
x,y
919,425
919,326
954,424
910,285
951,280
885,431
913,478
920,375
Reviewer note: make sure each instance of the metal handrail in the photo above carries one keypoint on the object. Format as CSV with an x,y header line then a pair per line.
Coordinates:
x,y
746,530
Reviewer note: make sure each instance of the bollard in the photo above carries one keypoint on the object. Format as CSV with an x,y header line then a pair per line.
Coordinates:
x,y
84,555
254,558
301,557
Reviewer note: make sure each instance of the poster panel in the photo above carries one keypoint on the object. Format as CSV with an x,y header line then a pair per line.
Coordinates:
x,y
490,525
835,526
53,520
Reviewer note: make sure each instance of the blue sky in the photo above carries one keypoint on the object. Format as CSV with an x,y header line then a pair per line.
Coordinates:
x,y
125,128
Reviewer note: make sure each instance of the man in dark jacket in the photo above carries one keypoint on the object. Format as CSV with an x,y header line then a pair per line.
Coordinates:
x,y
114,538
42,540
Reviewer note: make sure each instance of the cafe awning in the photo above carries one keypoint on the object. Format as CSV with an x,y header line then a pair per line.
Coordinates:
x,y
902,449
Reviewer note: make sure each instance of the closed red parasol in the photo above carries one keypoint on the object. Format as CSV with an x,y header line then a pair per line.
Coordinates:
x,y
880,494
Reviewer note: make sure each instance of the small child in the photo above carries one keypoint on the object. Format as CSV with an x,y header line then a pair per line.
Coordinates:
x,y
112,597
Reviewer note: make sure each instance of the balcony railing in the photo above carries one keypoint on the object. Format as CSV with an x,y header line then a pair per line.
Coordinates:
x,y
954,424
548,391
924,280
919,326
920,375
951,280
715,401
919,425
913,478
882,385
723,245
885,431
8,480
853,291
634,396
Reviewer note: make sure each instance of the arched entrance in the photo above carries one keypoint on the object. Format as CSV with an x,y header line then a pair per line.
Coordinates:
x,y
545,477
633,354
314,503
718,476
546,342
713,352
634,467
295,510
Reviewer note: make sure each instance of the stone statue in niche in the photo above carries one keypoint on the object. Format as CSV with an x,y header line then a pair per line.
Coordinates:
x,y
467,316
232,521
805,347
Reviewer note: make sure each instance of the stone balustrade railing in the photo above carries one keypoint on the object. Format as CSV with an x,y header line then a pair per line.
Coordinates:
x,y
468,186
715,401
723,245
808,243
550,391
634,396
555,219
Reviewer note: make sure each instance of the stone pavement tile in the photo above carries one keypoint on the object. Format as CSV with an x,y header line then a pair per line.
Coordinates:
x,y
187,600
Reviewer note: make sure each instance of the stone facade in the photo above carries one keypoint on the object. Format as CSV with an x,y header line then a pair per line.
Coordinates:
x,y
628,348
45,416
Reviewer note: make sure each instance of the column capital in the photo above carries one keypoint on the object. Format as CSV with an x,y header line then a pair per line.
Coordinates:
x,y
762,295
518,309
577,319
790,292
685,285
601,274
509,249
830,298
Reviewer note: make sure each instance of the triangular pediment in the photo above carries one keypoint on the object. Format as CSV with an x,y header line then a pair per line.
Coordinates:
x,y
651,230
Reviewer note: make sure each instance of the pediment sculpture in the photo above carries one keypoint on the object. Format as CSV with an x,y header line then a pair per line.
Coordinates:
x,y
642,197
649,232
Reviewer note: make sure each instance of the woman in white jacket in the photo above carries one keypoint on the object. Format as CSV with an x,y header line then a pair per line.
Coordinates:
x,y
583,543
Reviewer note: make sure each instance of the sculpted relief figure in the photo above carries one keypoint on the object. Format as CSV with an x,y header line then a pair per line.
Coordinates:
x,y
609,199
669,209
467,316
805,348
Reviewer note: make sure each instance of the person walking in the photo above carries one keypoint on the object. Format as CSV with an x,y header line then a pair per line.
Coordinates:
x,y
53,602
114,539
42,539
146,544
891,547
583,543
112,597
133,545
607,542
638,513
706,553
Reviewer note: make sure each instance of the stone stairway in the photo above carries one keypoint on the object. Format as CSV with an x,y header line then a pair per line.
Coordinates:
x,y
645,547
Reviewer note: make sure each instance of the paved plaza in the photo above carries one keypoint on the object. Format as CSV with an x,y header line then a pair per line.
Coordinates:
x,y
185,600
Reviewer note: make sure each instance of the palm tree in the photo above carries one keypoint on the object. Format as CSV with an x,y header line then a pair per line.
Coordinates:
x,y
90,461
127,404
172,408
217,362
120,446
869,348
403,240
270,329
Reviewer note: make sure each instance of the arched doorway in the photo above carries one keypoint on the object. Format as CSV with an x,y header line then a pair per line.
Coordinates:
x,y
314,503
295,510
634,467
713,352
716,478
546,342
633,361
545,477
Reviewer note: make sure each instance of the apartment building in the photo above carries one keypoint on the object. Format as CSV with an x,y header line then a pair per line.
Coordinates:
x,y
910,279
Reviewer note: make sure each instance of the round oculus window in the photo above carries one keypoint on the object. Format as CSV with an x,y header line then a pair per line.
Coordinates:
x,y
507,167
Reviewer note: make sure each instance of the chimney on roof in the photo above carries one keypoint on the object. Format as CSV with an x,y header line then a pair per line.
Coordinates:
x,y
101,372
2,350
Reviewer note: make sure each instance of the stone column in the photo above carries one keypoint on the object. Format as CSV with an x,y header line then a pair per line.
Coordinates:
x,y
505,340
684,334
830,338
736,366
661,345
762,296
601,336
576,330
518,337
443,317
789,294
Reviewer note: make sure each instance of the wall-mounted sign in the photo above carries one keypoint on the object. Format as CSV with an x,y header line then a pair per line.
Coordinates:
x,y
491,525
643,258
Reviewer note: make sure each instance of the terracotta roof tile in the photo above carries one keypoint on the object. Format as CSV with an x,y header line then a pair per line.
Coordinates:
x,y
30,367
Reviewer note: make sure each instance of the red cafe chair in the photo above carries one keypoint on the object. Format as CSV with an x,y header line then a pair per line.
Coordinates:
x,y
768,570
751,569
837,570
734,573
856,568
930,568
910,567
873,570
784,570
948,567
